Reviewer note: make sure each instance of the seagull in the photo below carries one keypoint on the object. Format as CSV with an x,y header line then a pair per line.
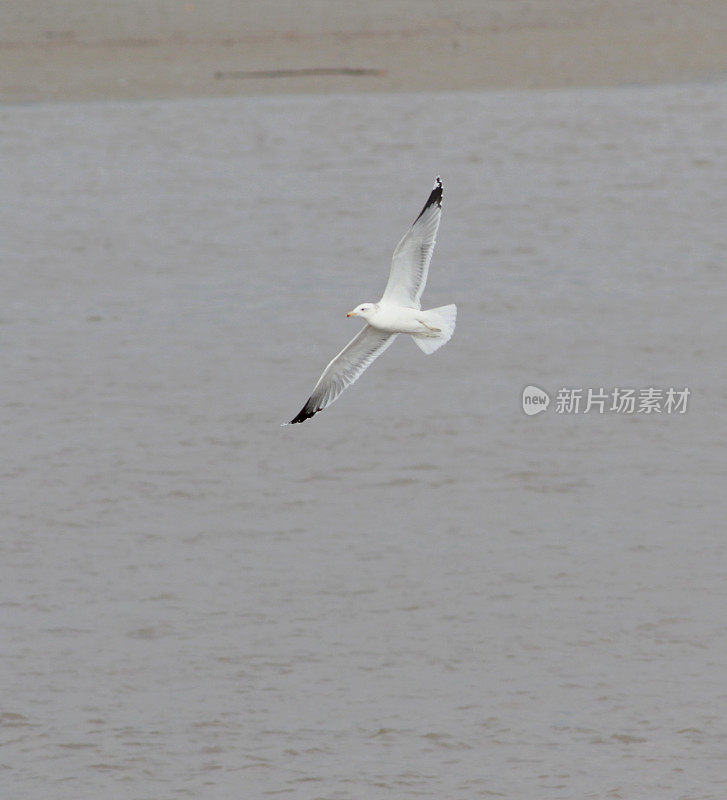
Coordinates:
x,y
398,311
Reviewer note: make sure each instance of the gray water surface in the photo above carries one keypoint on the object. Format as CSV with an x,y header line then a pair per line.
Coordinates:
x,y
421,593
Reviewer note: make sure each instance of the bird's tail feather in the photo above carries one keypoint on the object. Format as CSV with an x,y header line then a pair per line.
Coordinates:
x,y
444,318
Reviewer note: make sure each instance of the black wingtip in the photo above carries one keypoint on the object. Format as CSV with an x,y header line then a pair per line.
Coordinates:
x,y
309,410
434,197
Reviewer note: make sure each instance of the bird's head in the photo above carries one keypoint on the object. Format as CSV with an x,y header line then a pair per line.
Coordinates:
x,y
361,311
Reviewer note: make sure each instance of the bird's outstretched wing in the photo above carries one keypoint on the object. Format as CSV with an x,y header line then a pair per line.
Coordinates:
x,y
410,264
344,369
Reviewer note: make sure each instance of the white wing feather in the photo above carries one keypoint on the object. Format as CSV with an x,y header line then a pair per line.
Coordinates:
x,y
344,369
410,263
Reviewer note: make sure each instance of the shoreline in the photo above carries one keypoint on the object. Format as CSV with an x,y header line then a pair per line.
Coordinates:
x,y
74,63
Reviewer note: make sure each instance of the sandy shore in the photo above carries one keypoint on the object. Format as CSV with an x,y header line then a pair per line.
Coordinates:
x,y
78,50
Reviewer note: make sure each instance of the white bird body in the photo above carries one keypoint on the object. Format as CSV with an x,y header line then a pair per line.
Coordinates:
x,y
398,319
398,311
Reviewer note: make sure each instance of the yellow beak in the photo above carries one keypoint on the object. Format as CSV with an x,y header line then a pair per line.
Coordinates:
x,y
352,314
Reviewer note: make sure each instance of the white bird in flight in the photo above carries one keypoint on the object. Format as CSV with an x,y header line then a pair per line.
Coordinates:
x,y
398,311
